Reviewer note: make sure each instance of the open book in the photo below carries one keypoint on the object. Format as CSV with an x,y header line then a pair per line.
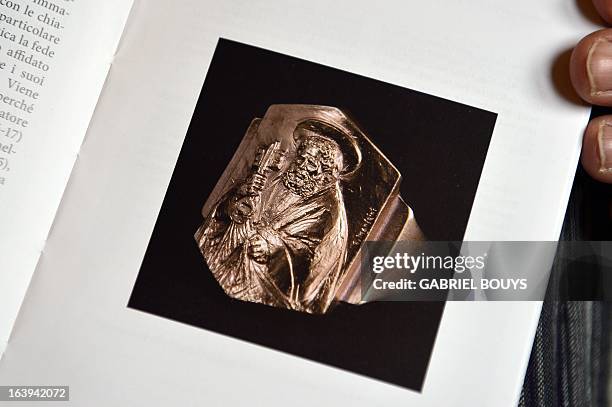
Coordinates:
x,y
96,99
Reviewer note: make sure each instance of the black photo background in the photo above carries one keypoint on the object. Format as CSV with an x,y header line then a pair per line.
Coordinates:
x,y
439,146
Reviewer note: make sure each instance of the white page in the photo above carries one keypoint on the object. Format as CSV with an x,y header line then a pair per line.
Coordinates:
x,y
59,107
493,55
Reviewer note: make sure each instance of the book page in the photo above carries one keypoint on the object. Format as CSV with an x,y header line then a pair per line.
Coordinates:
x,y
54,58
494,56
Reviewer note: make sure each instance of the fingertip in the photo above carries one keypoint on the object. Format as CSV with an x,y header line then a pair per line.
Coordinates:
x,y
597,149
591,68
604,8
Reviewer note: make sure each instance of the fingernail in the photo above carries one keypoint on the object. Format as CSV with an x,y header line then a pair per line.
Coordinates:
x,y
604,140
599,66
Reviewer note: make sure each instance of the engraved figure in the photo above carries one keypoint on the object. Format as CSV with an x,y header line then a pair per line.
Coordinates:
x,y
279,236
287,222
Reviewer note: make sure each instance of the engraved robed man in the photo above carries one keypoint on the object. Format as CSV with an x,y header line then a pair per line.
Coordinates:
x,y
279,236
287,222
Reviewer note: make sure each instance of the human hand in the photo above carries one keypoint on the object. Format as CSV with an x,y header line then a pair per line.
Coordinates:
x,y
259,249
591,75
